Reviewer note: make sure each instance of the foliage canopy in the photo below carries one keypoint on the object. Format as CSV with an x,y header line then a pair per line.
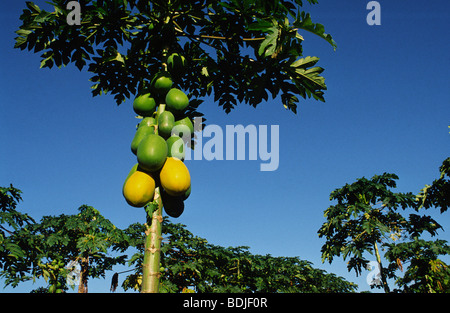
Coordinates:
x,y
238,50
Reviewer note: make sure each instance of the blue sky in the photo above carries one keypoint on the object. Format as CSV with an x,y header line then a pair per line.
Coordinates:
x,y
386,110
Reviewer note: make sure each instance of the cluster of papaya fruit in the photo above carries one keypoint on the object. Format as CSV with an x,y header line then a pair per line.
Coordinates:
x,y
159,144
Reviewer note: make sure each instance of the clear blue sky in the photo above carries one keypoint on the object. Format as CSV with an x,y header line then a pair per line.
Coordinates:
x,y
387,110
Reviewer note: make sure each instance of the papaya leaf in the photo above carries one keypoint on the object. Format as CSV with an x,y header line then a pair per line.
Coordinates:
x,y
305,62
304,22
33,7
269,44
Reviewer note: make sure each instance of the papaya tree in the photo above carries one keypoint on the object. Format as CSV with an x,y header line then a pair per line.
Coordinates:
x,y
424,270
238,51
12,220
83,240
368,218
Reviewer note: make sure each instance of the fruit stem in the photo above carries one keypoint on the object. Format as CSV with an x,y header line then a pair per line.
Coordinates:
x,y
161,109
152,252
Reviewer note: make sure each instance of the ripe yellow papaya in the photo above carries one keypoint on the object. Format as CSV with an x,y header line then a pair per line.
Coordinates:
x,y
175,177
139,189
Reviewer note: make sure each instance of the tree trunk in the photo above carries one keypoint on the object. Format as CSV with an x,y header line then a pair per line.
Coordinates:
x,y
152,252
383,277
83,287
152,248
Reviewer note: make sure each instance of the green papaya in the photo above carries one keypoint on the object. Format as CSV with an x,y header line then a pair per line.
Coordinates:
x,y
166,121
143,130
175,147
176,63
144,105
184,128
147,121
152,153
176,100
161,83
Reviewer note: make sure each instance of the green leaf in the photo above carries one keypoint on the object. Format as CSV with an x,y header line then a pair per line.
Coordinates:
x,y
34,8
305,62
312,76
261,25
304,22
43,17
269,44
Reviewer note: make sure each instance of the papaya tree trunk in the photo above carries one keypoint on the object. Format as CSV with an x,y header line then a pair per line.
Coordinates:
x,y
152,252
83,286
383,277
153,233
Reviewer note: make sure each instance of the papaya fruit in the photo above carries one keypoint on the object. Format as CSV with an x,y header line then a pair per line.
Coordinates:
x,y
152,152
147,121
144,129
139,189
187,193
176,100
176,63
182,131
133,169
166,121
161,83
144,105
175,146
173,205
175,177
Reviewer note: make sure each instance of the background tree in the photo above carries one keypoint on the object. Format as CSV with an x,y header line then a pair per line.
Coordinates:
x,y
11,220
438,193
235,50
189,262
425,272
84,239
366,218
